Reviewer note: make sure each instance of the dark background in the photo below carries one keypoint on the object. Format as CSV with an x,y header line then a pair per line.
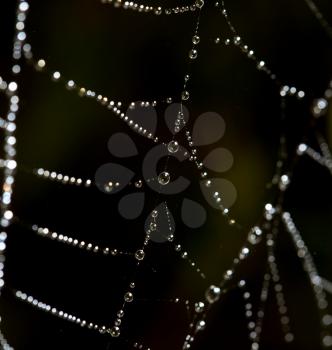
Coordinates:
x,y
130,57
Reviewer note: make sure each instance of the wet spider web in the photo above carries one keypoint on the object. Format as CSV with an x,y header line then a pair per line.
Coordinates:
x,y
161,315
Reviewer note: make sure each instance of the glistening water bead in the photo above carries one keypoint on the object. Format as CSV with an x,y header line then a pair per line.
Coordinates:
x,y
199,307
195,39
138,184
117,322
139,255
185,95
199,3
319,107
212,294
200,325
115,331
173,147
120,313
164,178
255,235
128,297
193,54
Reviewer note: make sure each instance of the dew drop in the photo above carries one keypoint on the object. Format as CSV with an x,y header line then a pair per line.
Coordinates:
x,y
139,255
199,307
185,95
115,331
173,146
193,54
199,3
164,178
196,39
120,313
128,297
200,325
109,187
212,294
138,184
153,226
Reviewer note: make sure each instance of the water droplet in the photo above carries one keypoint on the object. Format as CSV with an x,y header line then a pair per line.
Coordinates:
x,y
102,330
139,255
185,95
196,39
208,183
120,313
199,3
327,320
237,40
301,149
173,146
229,273
41,64
251,53
255,235
261,65
200,325
153,226
164,178
128,297
199,307
115,331
138,184
109,187
284,182
212,294
319,107
180,115
193,54
177,247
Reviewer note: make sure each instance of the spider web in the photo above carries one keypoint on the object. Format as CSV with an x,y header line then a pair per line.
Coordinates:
x,y
58,205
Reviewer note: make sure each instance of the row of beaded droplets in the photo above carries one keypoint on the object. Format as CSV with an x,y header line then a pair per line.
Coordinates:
x,y
113,106
316,282
115,331
156,10
10,141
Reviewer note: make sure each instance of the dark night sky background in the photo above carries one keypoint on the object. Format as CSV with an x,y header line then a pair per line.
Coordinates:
x,y
131,57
